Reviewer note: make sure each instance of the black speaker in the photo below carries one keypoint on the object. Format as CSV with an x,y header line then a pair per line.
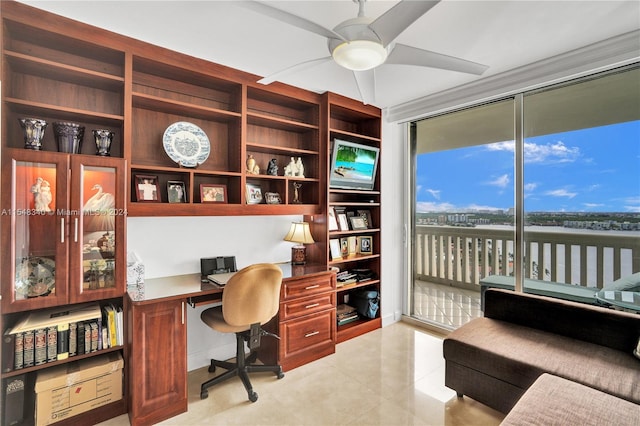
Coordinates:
x,y
217,265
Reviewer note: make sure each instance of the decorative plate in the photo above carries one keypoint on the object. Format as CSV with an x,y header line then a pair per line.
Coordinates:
x,y
35,276
186,144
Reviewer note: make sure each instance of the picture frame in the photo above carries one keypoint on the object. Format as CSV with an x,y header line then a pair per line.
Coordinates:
x,y
147,188
358,223
365,245
213,193
366,214
253,194
176,191
334,246
343,222
353,244
272,198
333,221
344,247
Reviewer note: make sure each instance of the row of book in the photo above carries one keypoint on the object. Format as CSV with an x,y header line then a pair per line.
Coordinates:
x,y
346,314
56,334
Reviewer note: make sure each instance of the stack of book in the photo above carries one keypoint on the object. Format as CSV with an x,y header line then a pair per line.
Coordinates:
x,y
344,278
59,333
346,314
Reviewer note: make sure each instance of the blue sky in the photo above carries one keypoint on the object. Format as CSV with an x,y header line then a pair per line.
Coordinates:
x,y
588,170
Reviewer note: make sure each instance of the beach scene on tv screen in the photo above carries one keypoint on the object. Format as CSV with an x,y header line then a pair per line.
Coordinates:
x,y
354,163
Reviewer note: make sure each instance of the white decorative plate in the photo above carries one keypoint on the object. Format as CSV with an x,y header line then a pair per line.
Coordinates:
x,y
35,276
186,144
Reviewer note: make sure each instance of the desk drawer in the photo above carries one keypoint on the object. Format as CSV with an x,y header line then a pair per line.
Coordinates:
x,y
307,305
309,335
307,286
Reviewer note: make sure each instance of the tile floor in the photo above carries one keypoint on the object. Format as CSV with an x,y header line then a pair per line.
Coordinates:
x,y
391,376
445,306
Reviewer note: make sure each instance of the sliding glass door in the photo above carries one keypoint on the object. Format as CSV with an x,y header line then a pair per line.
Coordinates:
x,y
542,186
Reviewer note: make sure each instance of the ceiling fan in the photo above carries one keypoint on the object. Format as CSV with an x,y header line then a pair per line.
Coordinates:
x,y
361,44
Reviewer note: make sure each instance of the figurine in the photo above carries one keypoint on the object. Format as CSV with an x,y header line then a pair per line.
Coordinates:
x,y
296,193
300,168
290,169
42,195
252,167
272,168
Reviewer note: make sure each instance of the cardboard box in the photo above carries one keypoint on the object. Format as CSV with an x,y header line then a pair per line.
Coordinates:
x,y
70,389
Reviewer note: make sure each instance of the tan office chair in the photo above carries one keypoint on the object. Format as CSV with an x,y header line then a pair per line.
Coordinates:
x,y
250,299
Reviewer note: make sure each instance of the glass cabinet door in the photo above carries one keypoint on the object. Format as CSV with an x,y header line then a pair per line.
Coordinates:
x,y
97,228
35,261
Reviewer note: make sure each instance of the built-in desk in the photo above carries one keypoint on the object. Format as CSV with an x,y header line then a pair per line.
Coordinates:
x,y
157,334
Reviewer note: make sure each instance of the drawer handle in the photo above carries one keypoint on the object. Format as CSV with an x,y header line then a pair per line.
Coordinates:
x,y
312,286
312,306
311,334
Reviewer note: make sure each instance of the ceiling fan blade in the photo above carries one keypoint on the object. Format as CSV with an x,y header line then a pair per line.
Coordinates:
x,y
407,55
289,18
298,67
395,20
366,82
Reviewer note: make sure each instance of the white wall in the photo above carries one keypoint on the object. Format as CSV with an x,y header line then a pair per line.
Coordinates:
x,y
174,246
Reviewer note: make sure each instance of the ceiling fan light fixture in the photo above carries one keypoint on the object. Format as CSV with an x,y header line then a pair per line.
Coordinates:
x,y
359,55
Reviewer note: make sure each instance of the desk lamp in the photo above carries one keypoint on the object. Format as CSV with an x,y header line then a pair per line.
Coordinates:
x,y
299,233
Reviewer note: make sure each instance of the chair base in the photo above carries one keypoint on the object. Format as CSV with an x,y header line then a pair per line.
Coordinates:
x,y
241,368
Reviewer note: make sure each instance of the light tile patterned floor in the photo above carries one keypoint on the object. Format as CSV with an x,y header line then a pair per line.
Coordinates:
x,y
445,306
391,376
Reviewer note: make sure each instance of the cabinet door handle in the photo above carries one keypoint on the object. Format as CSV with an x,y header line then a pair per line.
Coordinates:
x,y
62,231
313,305
313,333
75,230
182,313
312,286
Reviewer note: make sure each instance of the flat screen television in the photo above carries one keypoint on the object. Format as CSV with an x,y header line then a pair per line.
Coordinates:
x,y
353,165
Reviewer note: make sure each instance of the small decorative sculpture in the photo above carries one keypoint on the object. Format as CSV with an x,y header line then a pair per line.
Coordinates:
x,y
290,169
296,192
42,195
252,167
272,168
299,168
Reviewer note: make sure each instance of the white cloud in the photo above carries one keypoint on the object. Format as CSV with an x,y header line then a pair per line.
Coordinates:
x,y
592,205
435,193
556,152
530,186
501,181
561,193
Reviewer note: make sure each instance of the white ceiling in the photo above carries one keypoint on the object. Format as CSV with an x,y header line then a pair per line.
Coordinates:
x,y
503,34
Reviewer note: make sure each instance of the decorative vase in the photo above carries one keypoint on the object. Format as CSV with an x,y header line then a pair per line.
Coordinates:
x,y
103,138
68,136
33,132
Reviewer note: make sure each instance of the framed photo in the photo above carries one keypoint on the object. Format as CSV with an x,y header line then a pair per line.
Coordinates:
x,y
365,245
253,194
333,220
366,215
176,192
357,223
344,247
212,193
147,188
343,222
272,198
336,251
353,244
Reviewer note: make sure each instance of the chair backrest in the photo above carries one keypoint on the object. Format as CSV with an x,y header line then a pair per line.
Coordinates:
x,y
252,295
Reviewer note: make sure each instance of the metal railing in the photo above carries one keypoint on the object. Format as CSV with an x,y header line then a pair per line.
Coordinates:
x,y
462,256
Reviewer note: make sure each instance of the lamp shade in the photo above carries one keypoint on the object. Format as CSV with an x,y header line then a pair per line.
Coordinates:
x,y
359,55
299,233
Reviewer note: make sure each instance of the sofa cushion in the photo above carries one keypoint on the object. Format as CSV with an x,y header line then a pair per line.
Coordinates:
x,y
552,400
628,283
519,355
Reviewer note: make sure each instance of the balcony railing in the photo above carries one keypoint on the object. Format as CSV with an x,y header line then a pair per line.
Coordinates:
x,y
462,256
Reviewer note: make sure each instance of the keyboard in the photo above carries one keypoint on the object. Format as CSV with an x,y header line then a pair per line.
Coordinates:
x,y
220,279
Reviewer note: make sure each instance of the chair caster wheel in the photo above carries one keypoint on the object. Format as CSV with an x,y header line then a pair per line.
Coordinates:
x,y
280,375
204,394
212,369
253,396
